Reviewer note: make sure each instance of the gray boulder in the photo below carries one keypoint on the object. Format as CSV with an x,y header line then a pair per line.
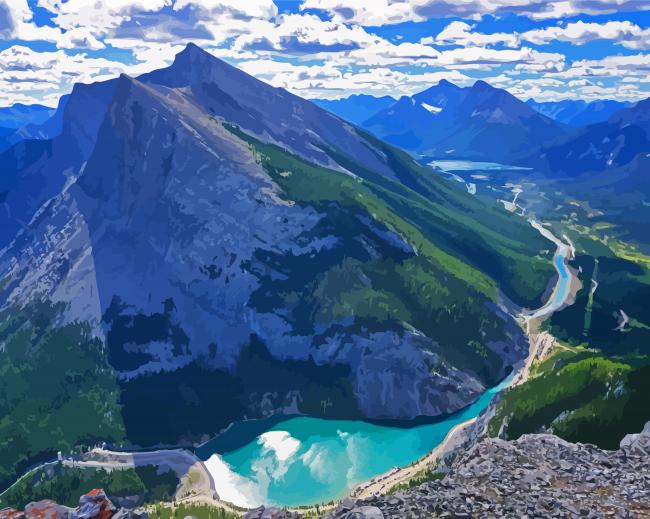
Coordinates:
x,y
637,444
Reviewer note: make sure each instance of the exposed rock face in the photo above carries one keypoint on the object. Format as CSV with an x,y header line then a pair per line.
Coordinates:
x,y
47,509
637,444
536,476
93,505
11,513
271,513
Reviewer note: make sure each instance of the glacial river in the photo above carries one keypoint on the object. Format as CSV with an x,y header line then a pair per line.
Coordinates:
x,y
302,460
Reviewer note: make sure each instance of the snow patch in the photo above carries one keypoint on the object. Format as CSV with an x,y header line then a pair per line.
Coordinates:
x,y
431,108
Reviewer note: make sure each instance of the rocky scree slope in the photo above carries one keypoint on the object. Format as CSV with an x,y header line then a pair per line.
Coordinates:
x,y
538,475
223,249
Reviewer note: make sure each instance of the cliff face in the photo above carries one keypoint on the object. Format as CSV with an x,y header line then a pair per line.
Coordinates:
x,y
537,475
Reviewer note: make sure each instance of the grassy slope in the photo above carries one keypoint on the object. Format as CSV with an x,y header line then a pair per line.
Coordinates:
x,y
65,484
599,394
479,243
580,396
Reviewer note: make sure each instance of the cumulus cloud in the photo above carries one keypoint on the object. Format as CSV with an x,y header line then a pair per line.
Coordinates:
x,y
16,22
386,12
463,34
304,34
332,81
625,33
610,66
28,75
99,18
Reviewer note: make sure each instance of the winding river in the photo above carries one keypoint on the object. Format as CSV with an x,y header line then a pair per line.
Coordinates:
x,y
303,460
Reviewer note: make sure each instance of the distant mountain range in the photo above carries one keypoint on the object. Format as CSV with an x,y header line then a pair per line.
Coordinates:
x,y
474,123
356,108
447,121
31,122
197,240
578,113
605,145
19,115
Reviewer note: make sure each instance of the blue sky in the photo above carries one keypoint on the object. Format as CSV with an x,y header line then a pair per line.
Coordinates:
x,y
546,49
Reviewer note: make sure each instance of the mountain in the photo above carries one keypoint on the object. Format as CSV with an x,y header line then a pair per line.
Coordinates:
x,y
478,123
36,129
199,247
598,147
34,170
578,113
356,108
19,115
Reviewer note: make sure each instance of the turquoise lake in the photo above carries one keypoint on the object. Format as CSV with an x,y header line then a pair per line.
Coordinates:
x,y
470,165
305,460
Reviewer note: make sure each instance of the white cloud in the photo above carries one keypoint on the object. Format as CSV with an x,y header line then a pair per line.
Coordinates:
x,y
330,81
463,34
264,9
384,53
44,76
611,66
483,58
313,56
98,18
386,12
16,22
304,34
624,33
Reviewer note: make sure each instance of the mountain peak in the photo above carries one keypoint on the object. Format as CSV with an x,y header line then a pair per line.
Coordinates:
x,y
447,84
193,50
195,65
192,54
482,86
444,88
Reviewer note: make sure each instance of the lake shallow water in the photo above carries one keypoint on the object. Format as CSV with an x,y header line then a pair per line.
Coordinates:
x,y
303,460
307,460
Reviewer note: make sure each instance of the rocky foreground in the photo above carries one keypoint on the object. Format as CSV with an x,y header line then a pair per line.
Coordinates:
x,y
93,505
538,475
